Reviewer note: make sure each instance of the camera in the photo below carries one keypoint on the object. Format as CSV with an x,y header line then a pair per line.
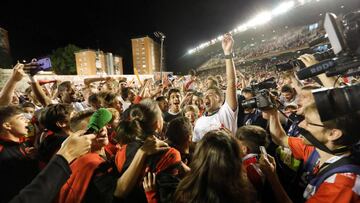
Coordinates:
x,y
344,37
262,99
341,101
298,64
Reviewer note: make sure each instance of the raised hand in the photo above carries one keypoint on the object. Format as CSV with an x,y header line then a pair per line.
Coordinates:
x,y
267,165
18,72
153,145
308,60
227,44
76,145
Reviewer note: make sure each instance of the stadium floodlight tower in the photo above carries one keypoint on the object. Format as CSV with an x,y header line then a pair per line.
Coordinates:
x,y
161,36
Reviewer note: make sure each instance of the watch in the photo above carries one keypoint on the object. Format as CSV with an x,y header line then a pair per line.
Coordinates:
x,y
230,56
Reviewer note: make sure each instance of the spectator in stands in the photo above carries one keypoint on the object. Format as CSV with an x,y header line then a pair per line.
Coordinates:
x,y
128,96
248,115
288,95
28,108
179,132
85,168
323,145
192,113
250,138
174,98
46,185
216,174
56,119
218,113
17,164
197,100
163,104
211,82
190,84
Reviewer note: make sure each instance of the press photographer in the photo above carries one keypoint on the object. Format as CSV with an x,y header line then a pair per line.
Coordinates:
x,y
253,100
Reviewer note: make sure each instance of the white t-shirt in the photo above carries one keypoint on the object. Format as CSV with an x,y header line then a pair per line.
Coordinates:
x,y
78,106
125,104
225,116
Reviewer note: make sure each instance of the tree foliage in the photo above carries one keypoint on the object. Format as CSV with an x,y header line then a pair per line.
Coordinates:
x,y
63,60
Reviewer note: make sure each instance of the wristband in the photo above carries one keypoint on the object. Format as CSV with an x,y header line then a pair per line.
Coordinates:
x,y
229,56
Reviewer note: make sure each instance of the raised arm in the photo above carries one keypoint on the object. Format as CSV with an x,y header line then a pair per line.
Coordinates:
x,y
130,177
39,92
10,85
227,45
276,130
310,60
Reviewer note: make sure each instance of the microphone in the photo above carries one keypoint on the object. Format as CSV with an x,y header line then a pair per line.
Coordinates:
x,y
316,69
98,120
159,34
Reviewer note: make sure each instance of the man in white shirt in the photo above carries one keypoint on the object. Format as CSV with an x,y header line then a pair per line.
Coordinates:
x,y
219,114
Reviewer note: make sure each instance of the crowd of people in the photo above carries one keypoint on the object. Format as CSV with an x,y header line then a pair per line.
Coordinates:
x,y
289,40
188,139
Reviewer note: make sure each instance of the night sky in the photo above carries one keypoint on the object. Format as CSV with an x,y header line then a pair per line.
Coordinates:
x,y
35,29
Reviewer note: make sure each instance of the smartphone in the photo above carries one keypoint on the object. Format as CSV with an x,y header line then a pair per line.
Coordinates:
x,y
44,64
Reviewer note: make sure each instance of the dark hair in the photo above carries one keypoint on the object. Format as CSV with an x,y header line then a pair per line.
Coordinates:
x,y
216,174
94,100
27,104
139,122
248,90
55,113
178,131
348,124
287,88
253,136
125,92
106,99
172,90
79,117
160,98
7,112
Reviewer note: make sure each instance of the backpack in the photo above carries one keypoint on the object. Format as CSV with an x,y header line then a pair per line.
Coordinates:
x,y
343,165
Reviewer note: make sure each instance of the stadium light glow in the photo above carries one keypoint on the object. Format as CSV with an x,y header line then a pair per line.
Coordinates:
x,y
191,51
260,19
242,28
283,8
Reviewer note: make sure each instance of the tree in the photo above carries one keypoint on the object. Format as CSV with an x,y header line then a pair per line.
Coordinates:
x,y
63,60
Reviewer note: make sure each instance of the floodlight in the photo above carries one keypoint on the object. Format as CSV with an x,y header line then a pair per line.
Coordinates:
x,y
283,8
260,19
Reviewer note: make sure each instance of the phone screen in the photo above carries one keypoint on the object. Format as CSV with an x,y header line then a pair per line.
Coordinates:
x,y
44,64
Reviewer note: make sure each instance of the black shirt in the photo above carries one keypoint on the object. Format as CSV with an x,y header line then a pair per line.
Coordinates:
x,y
17,169
47,184
169,117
